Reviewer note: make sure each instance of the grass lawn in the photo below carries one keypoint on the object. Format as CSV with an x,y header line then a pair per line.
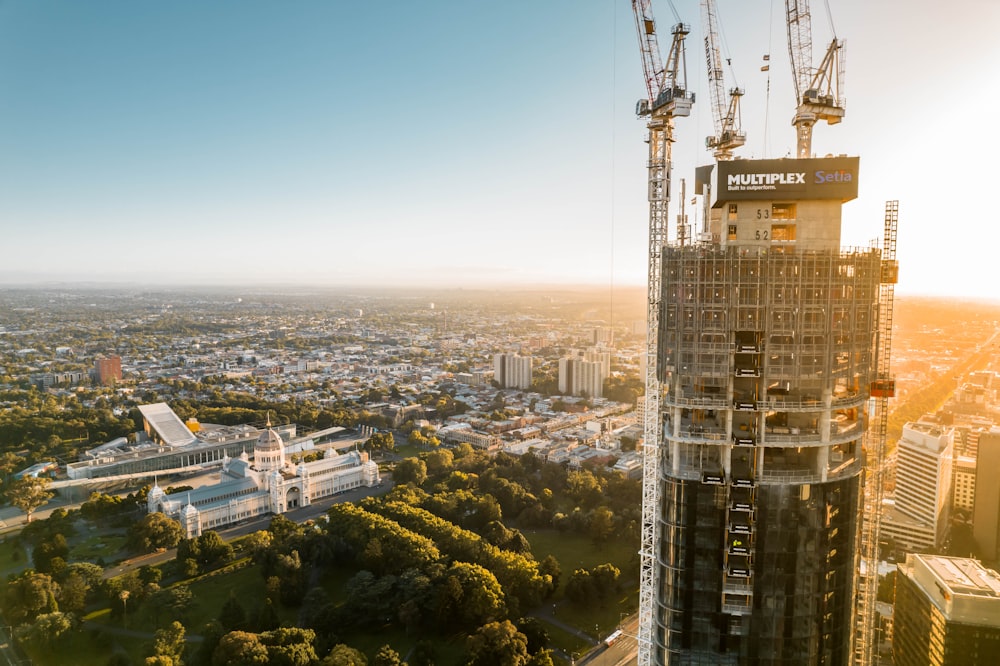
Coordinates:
x,y
409,450
576,551
245,583
560,639
98,548
88,648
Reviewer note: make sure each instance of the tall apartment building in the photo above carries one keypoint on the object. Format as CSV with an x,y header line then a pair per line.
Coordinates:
x,y
512,371
766,354
599,355
918,522
578,376
947,611
986,508
108,369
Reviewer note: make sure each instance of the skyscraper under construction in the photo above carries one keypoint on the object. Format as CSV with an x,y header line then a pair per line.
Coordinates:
x,y
767,358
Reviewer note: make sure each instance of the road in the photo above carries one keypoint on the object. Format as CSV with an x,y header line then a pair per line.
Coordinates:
x,y
623,652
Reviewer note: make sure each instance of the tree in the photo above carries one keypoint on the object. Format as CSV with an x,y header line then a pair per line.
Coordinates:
x,y
173,602
386,656
343,655
232,616
410,470
497,643
47,629
290,646
477,598
439,461
73,591
257,543
169,642
602,524
29,595
381,441
550,567
293,576
49,554
239,648
535,633
155,530
29,493
541,658
213,550
211,633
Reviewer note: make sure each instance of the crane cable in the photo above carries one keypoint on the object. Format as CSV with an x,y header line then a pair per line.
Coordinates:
x,y
614,85
767,89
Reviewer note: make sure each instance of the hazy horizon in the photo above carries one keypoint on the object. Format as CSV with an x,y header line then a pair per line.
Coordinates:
x,y
442,143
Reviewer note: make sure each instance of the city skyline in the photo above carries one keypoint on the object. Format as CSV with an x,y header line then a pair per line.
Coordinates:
x,y
332,145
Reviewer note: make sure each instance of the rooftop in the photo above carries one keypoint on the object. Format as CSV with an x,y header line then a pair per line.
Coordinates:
x,y
167,424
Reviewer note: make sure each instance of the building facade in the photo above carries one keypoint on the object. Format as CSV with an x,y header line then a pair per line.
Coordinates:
x,y
512,371
919,520
986,507
947,611
108,369
964,495
267,485
766,351
578,376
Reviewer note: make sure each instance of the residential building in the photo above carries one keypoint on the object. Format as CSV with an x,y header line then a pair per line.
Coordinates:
x,y
108,369
578,376
599,355
512,371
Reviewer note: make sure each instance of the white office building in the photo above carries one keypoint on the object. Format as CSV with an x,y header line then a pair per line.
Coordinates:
x,y
924,459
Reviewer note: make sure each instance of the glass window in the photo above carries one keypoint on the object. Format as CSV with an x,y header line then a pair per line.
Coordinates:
x,y
783,232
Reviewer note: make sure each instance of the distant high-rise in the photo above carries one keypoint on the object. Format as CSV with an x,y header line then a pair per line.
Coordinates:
x,y
603,336
108,369
767,350
919,520
947,611
578,376
986,506
512,371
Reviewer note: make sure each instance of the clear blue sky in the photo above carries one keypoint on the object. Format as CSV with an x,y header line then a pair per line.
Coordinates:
x,y
444,142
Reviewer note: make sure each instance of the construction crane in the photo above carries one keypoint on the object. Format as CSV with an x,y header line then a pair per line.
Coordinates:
x,y
725,114
667,97
818,90
881,389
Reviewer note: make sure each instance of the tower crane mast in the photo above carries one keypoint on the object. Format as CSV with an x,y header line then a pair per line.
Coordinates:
x,y
819,90
883,388
667,97
725,113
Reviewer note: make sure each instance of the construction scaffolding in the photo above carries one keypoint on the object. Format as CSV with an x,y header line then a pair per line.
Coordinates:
x,y
766,355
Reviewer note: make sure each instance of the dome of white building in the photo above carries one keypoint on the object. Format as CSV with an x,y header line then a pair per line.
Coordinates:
x,y
269,442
